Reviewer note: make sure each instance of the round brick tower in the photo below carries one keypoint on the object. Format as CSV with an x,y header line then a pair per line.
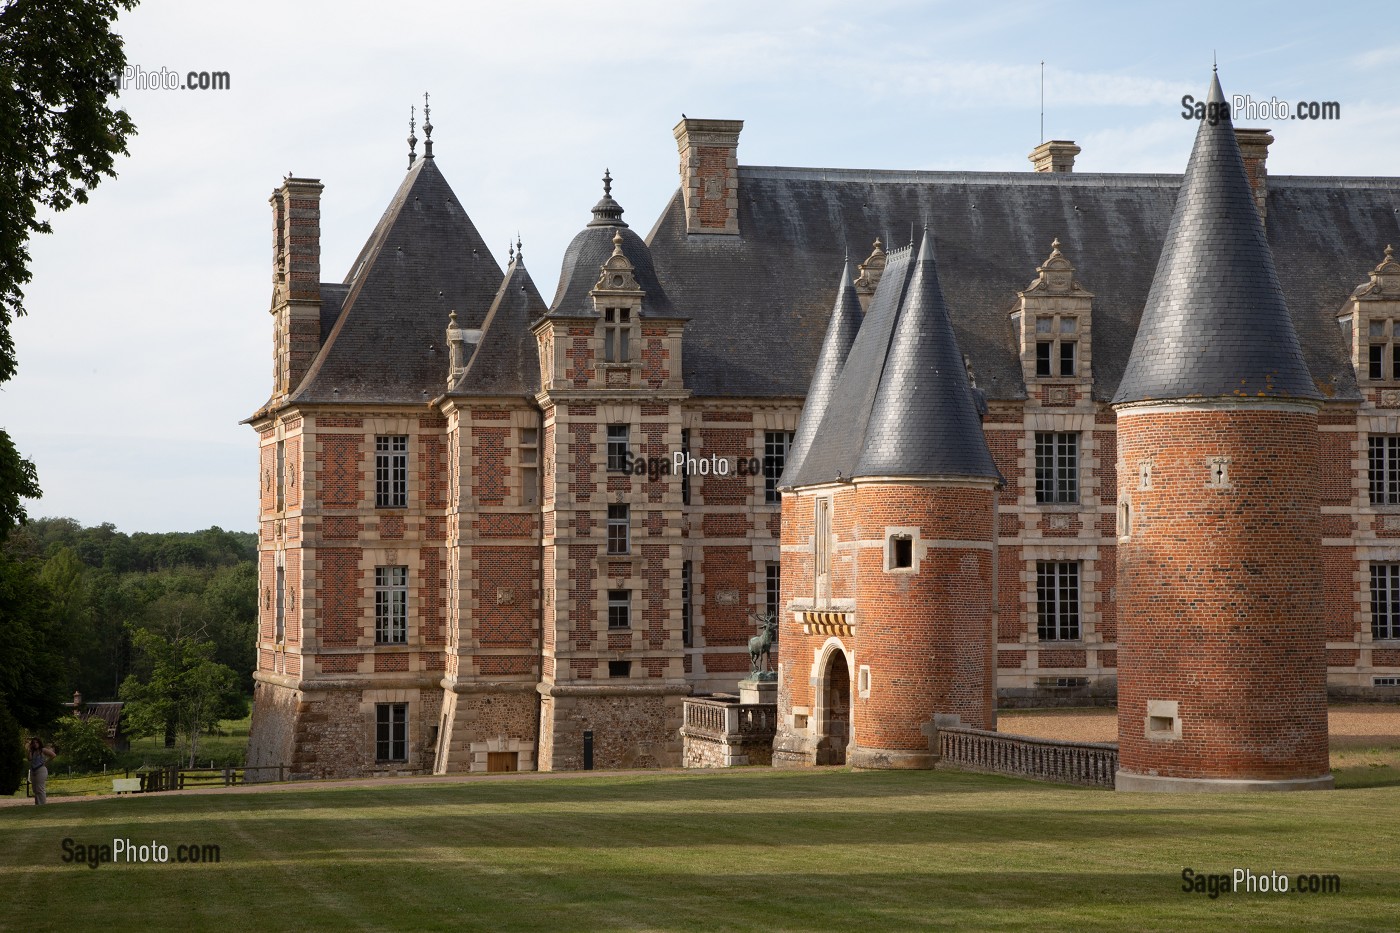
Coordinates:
x,y
903,466
1221,663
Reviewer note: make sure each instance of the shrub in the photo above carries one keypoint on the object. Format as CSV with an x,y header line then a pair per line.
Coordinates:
x,y
83,743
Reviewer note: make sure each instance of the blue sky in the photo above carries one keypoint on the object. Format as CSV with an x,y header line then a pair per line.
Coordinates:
x,y
149,339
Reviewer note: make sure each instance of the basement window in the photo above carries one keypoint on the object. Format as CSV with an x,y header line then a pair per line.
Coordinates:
x,y
619,669
1163,724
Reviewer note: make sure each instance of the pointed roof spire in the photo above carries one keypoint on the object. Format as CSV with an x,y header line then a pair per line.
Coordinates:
x,y
607,212
412,139
427,129
841,332
1215,324
925,421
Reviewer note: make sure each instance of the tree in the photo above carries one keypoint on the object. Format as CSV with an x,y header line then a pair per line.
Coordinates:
x,y
12,761
31,666
185,691
59,136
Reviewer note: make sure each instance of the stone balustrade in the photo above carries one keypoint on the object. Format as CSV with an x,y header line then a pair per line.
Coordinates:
x,y
721,732
1091,764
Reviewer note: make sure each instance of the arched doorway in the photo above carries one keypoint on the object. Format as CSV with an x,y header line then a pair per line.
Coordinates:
x,y
835,722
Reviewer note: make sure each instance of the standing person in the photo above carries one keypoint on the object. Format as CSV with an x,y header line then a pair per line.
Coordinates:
x,y
39,755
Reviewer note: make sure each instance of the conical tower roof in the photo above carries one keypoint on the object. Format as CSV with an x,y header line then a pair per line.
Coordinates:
x,y
902,406
840,336
1215,324
924,421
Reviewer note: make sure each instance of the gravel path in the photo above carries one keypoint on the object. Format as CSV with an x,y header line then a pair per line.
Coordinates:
x,y
1348,726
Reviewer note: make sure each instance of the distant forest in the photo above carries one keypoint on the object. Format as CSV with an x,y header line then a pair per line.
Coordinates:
x,y
82,600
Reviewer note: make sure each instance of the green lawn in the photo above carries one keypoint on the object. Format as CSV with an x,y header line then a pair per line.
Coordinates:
x,y
751,849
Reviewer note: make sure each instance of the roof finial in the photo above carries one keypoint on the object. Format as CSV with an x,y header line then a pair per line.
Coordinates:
x,y
427,129
519,249
1214,65
511,252
607,183
1389,253
412,139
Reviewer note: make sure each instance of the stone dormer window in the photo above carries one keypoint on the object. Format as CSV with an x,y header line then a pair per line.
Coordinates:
x,y
1370,323
618,300
1052,324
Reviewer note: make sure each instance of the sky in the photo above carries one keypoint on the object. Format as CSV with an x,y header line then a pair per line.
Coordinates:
x,y
148,337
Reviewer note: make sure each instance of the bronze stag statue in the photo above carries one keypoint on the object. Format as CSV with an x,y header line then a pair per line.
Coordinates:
x,y
761,645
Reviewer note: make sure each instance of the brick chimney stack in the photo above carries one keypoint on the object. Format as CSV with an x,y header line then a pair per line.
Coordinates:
x,y
1254,146
1057,155
710,174
296,280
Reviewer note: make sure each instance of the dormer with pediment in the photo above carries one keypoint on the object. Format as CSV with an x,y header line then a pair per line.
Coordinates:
x,y
611,325
1053,328
1370,322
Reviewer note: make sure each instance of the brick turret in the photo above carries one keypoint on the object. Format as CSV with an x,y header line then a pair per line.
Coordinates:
x,y
900,488
1221,660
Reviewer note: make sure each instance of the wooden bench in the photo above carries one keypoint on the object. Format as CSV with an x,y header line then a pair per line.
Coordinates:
x,y
126,785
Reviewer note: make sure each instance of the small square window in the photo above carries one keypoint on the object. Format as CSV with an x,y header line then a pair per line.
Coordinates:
x,y
619,668
1377,329
1069,325
1044,325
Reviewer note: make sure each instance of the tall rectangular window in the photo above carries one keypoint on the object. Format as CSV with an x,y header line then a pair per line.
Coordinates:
x,y
619,609
1383,470
529,466
619,438
279,634
1057,600
772,587
281,474
391,605
1385,601
391,732
391,471
687,619
1056,467
617,335
619,528
775,448
685,473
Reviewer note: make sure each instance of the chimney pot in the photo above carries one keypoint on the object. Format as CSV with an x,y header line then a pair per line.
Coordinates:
x,y
1254,146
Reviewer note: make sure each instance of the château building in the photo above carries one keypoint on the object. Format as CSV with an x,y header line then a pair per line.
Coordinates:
x,y
474,557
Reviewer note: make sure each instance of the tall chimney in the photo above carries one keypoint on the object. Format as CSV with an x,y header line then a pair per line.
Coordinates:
x,y
1057,155
296,281
1254,146
710,174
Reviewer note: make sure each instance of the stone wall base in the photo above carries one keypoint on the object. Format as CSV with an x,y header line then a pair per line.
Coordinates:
x,y
890,759
632,727
481,719
1143,783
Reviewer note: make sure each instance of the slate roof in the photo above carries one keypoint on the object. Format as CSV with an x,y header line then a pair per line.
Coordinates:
x,y
759,303
424,259
588,251
506,360
925,421
902,405
841,333
1216,324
